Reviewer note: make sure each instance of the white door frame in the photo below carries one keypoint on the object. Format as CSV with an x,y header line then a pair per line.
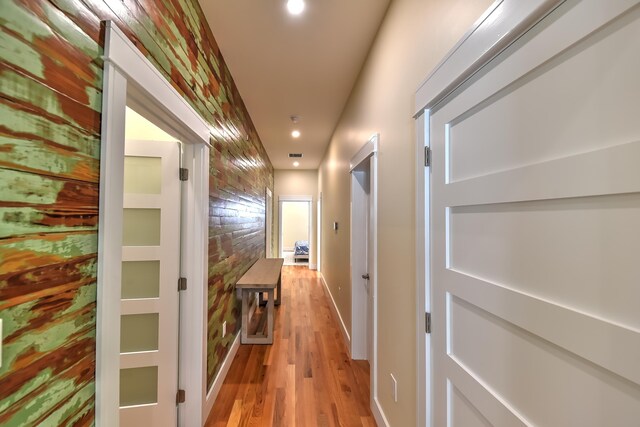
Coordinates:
x,y
131,79
319,234
309,201
369,152
423,274
360,252
499,27
268,223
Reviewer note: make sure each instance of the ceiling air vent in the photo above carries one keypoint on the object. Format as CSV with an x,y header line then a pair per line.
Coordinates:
x,y
295,155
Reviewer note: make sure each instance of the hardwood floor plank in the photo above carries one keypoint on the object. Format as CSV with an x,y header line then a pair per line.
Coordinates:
x,y
305,378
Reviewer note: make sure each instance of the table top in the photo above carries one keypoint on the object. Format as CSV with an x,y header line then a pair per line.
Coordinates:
x,y
263,274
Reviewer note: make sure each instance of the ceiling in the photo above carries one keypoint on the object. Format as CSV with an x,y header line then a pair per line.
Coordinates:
x,y
286,65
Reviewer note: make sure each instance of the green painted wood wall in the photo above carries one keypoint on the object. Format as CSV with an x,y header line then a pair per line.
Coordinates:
x,y
50,102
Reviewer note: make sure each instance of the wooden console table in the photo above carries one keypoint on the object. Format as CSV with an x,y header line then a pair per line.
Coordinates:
x,y
264,276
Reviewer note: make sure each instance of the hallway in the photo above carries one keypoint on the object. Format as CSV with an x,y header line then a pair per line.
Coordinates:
x,y
306,377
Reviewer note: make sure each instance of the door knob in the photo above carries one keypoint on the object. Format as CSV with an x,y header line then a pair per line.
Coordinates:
x,y
365,276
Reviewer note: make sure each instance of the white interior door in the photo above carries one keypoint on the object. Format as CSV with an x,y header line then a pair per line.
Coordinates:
x,y
268,223
536,229
360,254
319,234
150,272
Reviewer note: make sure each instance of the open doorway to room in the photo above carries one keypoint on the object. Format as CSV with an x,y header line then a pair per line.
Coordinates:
x,y
152,240
364,258
295,230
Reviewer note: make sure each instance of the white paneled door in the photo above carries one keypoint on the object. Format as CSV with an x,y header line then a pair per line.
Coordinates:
x,y
536,229
150,273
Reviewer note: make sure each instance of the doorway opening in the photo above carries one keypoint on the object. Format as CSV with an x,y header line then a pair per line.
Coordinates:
x,y
268,200
295,229
364,259
319,234
152,240
150,269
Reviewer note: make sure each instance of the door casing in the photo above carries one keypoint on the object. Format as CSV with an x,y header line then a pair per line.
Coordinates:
x,y
131,79
300,199
368,153
466,59
268,223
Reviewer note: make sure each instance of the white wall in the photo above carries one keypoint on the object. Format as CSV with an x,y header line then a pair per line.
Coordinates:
x,y
296,183
138,127
295,223
414,36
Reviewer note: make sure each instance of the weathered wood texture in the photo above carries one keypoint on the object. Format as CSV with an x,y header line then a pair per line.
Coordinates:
x,y
50,108
305,378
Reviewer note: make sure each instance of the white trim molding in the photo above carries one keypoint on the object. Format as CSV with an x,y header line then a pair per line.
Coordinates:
x,y
212,394
131,79
268,215
368,149
295,198
336,313
114,102
423,279
501,25
378,414
144,77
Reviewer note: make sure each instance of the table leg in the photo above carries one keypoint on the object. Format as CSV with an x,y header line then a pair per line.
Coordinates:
x,y
270,310
279,286
245,317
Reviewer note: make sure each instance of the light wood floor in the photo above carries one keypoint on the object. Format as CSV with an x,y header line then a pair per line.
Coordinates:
x,y
305,378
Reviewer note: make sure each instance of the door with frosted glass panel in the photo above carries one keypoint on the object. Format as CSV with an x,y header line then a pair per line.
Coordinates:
x,y
150,272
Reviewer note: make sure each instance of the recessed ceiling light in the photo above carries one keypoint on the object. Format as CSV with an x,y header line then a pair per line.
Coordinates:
x,y
295,7
296,164
295,134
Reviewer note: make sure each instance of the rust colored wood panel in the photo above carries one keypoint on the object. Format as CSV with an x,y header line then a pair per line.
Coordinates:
x,y
28,94
50,106
19,121
78,12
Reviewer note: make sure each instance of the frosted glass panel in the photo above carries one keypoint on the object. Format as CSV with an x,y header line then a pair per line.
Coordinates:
x,y
141,227
139,332
142,175
138,386
140,279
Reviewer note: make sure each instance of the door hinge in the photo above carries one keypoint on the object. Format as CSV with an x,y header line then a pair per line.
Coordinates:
x,y
182,284
427,156
181,396
427,323
184,174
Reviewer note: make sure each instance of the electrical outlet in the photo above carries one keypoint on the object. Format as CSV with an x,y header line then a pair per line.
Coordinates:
x,y
224,328
394,388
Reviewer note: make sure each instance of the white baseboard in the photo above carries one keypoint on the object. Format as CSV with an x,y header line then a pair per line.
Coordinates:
x,y
336,312
378,414
313,267
212,394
